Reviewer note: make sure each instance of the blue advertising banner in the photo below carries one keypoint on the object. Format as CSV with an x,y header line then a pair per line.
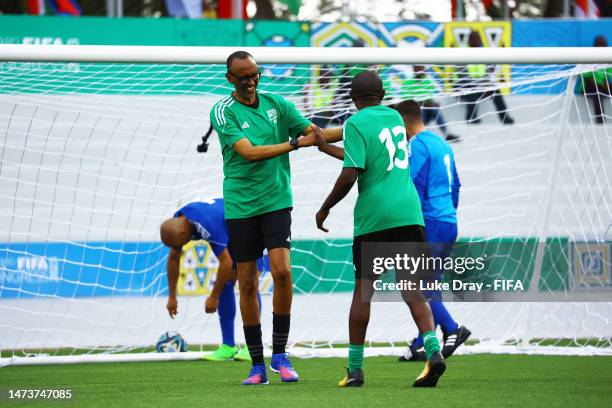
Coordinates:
x,y
84,269
75,269
559,33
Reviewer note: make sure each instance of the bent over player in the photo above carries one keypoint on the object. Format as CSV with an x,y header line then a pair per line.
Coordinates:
x,y
205,221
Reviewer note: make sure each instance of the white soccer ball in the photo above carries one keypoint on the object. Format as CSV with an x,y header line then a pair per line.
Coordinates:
x,y
171,342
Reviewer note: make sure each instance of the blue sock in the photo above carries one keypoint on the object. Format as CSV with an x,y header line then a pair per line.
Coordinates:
x,y
227,313
442,317
417,344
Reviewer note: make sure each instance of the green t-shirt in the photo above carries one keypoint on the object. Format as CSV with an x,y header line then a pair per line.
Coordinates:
x,y
375,142
253,188
419,89
600,77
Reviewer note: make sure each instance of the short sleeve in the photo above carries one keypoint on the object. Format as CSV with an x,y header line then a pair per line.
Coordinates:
x,y
296,121
208,223
354,147
225,126
218,241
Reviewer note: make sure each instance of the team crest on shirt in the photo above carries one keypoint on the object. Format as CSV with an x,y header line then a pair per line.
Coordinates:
x,y
273,116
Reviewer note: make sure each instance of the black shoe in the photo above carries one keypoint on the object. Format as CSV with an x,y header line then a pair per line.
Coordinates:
x,y
352,379
450,138
434,368
454,339
413,355
473,121
507,120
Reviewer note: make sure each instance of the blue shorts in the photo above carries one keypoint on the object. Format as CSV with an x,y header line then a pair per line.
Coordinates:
x,y
441,237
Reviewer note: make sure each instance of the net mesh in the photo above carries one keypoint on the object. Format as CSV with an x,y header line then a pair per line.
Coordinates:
x,y
95,156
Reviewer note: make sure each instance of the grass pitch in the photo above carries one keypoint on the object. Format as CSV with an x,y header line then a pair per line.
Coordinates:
x,y
470,381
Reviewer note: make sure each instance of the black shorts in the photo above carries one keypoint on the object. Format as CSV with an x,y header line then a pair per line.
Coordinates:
x,y
249,236
409,233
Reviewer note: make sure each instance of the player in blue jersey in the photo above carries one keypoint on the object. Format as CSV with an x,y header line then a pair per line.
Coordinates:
x,y
206,221
433,171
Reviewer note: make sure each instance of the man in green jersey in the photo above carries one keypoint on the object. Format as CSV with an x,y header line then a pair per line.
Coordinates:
x,y
423,88
254,129
387,210
597,85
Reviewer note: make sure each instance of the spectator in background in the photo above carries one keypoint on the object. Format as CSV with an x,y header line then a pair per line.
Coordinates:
x,y
597,84
319,97
342,99
421,87
480,76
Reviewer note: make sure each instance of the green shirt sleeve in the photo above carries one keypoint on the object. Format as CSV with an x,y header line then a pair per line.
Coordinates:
x,y
296,121
354,147
224,124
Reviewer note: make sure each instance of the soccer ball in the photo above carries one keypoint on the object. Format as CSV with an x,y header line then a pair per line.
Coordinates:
x,y
171,342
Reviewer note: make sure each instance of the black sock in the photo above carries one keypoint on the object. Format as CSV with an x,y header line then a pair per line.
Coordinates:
x,y
252,335
280,332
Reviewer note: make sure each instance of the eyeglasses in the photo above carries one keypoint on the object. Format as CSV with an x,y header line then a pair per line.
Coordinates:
x,y
245,79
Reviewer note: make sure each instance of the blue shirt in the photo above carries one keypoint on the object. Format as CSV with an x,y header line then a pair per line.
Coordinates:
x,y
208,223
433,171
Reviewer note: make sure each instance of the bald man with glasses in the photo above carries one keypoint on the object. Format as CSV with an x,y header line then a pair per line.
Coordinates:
x,y
257,130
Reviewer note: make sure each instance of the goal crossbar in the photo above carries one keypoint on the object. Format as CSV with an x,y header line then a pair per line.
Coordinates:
x,y
305,55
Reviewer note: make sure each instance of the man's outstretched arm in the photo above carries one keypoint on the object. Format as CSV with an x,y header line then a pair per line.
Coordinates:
x,y
324,146
256,153
331,135
343,185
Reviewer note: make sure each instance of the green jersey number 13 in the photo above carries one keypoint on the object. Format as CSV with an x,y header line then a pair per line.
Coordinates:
x,y
386,136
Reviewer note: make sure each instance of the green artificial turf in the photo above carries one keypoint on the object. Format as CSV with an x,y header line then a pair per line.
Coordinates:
x,y
470,381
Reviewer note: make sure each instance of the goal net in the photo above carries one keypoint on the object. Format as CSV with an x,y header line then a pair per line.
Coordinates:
x,y
95,155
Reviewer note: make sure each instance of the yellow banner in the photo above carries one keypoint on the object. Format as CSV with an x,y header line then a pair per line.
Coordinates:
x,y
198,266
493,34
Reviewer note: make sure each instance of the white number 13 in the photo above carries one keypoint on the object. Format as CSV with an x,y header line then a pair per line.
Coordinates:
x,y
386,137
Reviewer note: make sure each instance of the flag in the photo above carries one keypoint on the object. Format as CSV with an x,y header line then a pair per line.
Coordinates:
x,y
65,7
61,7
36,7
586,9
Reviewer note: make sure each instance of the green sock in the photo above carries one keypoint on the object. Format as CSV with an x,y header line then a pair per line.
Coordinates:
x,y
355,357
430,340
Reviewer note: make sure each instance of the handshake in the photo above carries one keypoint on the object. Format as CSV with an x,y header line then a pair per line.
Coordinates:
x,y
321,138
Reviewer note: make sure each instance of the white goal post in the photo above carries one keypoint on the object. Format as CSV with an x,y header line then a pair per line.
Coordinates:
x,y
98,146
306,55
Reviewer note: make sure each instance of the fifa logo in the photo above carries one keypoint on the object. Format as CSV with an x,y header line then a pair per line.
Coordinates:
x,y
273,116
592,263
